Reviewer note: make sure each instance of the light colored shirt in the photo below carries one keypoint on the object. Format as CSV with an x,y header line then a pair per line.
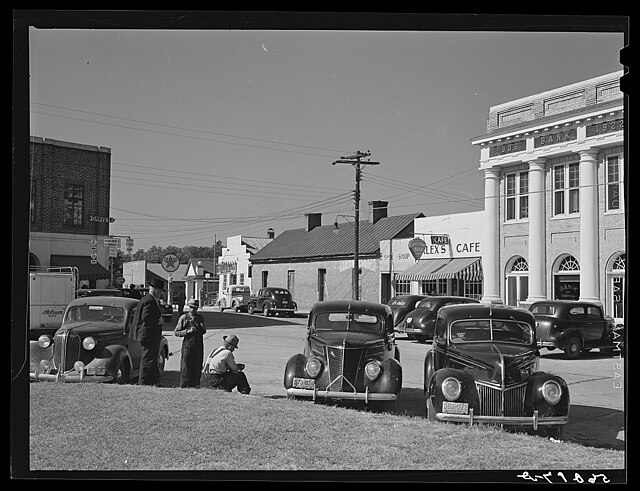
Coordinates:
x,y
221,360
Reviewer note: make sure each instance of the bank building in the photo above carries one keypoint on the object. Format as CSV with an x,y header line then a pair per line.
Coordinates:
x,y
554,218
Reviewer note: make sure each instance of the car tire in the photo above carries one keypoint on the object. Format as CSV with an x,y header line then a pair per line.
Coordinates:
x,y
266,310
250,309
573,348
123,376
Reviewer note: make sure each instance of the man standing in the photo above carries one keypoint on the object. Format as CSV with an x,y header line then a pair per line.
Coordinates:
x,y
181,299
191,329
147,328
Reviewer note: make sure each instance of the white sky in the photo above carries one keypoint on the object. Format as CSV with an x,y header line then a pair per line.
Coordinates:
x,y
216,133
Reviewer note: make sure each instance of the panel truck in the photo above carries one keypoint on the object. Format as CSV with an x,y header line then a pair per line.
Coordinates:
x,y
50,290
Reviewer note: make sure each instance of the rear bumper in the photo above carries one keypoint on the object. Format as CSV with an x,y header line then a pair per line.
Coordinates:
x,y
533,421
349,396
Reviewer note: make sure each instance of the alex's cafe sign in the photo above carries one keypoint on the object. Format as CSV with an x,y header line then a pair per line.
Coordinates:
x,y
440,237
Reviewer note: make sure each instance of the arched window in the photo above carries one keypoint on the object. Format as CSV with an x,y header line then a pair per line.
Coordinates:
x,y
517,287
567,279
520,265
569,263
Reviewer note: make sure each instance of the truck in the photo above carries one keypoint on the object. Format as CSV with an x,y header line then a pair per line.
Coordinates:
x,y
50,290
235,297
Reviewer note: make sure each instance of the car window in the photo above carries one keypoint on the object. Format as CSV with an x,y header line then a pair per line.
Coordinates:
x,y
349,321
544,309
508,331
399,302
426,304
576,311
95,313
594,312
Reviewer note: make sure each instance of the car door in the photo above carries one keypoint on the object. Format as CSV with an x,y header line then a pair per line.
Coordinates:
x,y
577,321
260,300
596,325
133,347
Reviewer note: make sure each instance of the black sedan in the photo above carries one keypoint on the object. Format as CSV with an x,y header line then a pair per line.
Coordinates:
x,y
420,323
401,305
92,344
350,355
483,368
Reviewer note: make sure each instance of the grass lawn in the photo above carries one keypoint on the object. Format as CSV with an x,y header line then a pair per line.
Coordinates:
x,y
93,427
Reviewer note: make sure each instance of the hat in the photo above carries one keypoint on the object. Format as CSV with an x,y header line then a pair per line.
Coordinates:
x,y
231,340
193,303
156,283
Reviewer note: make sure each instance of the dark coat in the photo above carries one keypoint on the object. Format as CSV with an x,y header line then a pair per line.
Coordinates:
x,y
146,322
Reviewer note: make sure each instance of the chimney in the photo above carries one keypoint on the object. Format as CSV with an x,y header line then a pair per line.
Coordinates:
x,y
377,210
271,233
313,220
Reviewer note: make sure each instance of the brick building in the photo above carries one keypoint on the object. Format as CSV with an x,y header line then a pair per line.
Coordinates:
x,y
316,262
554,174
69,208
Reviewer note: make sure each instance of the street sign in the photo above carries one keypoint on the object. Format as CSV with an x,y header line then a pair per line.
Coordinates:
x,y
112,242
113,252
119,280
170,263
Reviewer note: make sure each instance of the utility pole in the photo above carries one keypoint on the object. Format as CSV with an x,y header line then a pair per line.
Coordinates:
x,y
358,164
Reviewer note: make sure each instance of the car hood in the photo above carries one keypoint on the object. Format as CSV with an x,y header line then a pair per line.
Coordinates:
x,y
346,339
495,363
84,328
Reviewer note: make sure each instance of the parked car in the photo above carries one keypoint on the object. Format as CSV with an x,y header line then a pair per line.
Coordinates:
x,y
98,292
420,322
92,344
483,367
350,354
401,305
167,308
271,301
573,326
235,297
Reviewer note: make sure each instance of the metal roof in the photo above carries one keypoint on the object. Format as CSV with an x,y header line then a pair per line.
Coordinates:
x,y
323,242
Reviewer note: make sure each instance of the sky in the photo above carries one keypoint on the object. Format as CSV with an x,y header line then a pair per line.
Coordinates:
x,y
222,132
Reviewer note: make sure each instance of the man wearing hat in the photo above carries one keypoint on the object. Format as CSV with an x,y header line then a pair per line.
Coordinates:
x,y
190,328
147,328
221,370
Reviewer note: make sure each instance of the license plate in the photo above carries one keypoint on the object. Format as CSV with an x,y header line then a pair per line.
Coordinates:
x,y
304,383
455,407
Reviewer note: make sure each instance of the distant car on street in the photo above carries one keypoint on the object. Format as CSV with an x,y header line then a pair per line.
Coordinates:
x,y
573,326
99,292
235,297
401,305
420,322
271,301
92,344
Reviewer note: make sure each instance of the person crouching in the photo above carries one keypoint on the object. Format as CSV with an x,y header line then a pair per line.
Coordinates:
x,y
221,370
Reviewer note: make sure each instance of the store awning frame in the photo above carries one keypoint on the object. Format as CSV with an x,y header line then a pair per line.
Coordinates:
x,y
465,268
86,269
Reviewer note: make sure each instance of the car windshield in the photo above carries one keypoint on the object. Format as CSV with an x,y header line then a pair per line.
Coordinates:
x,y
483,330
349,321
544,309
93,313
239,291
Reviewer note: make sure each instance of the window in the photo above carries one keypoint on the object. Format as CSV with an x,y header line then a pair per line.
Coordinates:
x,y
566,189
403,287
73,204
613,182
517,196
265,277
473,289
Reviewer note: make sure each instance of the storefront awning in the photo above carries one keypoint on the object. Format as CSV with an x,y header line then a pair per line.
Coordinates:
x,y
86,270
465,268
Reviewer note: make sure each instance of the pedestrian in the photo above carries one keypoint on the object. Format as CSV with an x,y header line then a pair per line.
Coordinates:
x,y
133,292
191,329
180,299
147,328
221,370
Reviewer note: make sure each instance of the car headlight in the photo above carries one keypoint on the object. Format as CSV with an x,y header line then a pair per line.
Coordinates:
x,y
551,391
89,343
372,370
451,388
313,367
408,320
44,341
78,366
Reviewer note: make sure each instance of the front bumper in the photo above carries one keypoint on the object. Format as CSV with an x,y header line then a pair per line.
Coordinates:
x,y
534,421
350,396
70,376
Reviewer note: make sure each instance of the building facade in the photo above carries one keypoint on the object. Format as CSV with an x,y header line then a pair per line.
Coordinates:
x,y
554,171
69,208
234,263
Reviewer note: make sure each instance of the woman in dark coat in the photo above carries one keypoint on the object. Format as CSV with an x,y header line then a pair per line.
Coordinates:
x,y
191,328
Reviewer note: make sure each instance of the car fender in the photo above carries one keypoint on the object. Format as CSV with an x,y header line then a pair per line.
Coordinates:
x,y
389,381
535,401
469,393
294,368
563,337
429,370
110,357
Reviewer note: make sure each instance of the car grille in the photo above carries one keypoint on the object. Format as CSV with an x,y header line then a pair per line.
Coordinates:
x,y
66,350
496,401
343,366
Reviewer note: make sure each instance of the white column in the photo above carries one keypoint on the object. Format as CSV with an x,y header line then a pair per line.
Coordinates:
x,y
537,240
589,263
491,246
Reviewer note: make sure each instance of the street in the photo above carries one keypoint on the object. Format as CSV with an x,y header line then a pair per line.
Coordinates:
x,y
596,381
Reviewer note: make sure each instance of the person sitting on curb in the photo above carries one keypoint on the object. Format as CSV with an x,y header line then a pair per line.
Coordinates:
x,y
221,370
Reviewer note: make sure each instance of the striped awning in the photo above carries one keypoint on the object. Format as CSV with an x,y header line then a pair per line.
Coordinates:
x,y
465,268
